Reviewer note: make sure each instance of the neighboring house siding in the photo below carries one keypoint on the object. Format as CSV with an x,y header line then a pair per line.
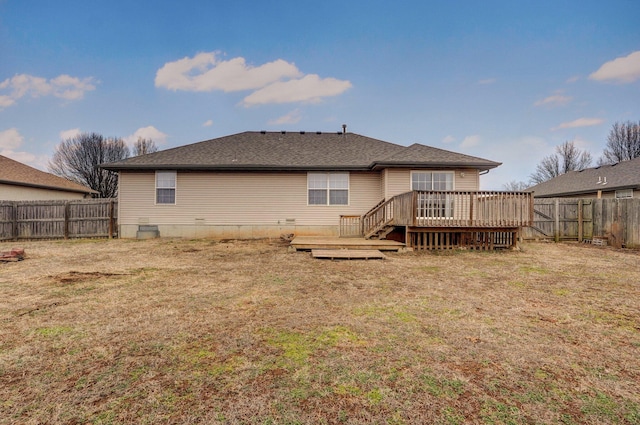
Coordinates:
x,y
25,193
398,180
244,204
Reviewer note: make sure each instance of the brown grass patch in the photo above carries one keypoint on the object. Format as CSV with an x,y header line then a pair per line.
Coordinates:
x,y
239,332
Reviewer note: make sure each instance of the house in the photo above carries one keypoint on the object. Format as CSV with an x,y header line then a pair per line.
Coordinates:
x,y
621,180
19,182
264,184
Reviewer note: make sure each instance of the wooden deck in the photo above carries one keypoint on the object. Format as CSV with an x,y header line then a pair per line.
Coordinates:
x,y
348,254
307,243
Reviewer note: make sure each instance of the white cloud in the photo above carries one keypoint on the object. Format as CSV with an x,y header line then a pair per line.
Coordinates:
x,y
207,123
274,82
554,100
622,70
23,157
63,87
290,118
487,81
573,79
69,134
204,72
10,139
6,101
580,122
149,132
71,88
470,141
448,139
310,88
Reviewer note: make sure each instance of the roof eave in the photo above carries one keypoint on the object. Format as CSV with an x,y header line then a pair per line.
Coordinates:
x,y
439,165
233,167
41,186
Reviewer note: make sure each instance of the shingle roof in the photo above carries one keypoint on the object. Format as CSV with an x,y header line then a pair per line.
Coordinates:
x,y
298,151
623,175
14,172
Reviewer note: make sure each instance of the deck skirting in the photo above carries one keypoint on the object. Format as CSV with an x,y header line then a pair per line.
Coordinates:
x,y
485,239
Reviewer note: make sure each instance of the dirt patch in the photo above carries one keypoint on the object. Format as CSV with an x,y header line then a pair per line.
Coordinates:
x,y
77,277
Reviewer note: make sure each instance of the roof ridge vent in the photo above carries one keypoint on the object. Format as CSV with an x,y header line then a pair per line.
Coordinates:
x,y
263,132
283,132
318,132
302,132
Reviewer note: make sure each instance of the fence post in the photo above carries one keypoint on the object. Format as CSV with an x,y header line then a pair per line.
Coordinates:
x,y
14,224
580,221
67,212
111,220
556,230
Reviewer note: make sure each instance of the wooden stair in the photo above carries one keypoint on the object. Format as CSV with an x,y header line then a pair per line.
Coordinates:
x,y
380,231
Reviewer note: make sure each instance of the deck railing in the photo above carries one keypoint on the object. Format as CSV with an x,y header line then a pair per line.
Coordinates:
x,y
451,209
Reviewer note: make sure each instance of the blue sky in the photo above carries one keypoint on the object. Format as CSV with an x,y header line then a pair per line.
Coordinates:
x,y
503,80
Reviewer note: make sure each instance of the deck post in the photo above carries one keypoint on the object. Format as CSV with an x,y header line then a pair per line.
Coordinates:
x,y
414,207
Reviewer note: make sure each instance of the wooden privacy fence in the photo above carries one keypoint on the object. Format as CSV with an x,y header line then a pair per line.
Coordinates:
x,y
58,219
569,219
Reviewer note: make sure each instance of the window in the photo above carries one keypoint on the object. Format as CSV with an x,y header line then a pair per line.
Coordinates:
x,y
433,205
165,187
436,180
328,188
625,193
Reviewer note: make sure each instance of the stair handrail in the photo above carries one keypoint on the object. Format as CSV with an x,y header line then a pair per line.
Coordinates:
x,y
377,216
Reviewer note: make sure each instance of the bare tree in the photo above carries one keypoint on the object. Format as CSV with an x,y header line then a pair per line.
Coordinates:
x,y
623,143
143,146
516,186
567,158
79,157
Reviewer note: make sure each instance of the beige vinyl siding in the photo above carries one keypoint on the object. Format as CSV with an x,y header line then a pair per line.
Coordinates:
x,y
469,183
238,199
25,193
398,180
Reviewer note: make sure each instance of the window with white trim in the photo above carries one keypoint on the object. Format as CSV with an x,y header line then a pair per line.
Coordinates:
x,y
624,193
432,180
433,205
328,188
165,187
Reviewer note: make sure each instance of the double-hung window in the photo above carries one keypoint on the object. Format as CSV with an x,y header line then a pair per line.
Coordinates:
x,y
328,188
433,205
165,187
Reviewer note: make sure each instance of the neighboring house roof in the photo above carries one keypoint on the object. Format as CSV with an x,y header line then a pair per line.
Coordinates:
x,y
15,173
281,151
623,175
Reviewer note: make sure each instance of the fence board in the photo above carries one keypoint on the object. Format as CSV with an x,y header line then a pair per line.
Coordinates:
x,y
558,219
58,219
